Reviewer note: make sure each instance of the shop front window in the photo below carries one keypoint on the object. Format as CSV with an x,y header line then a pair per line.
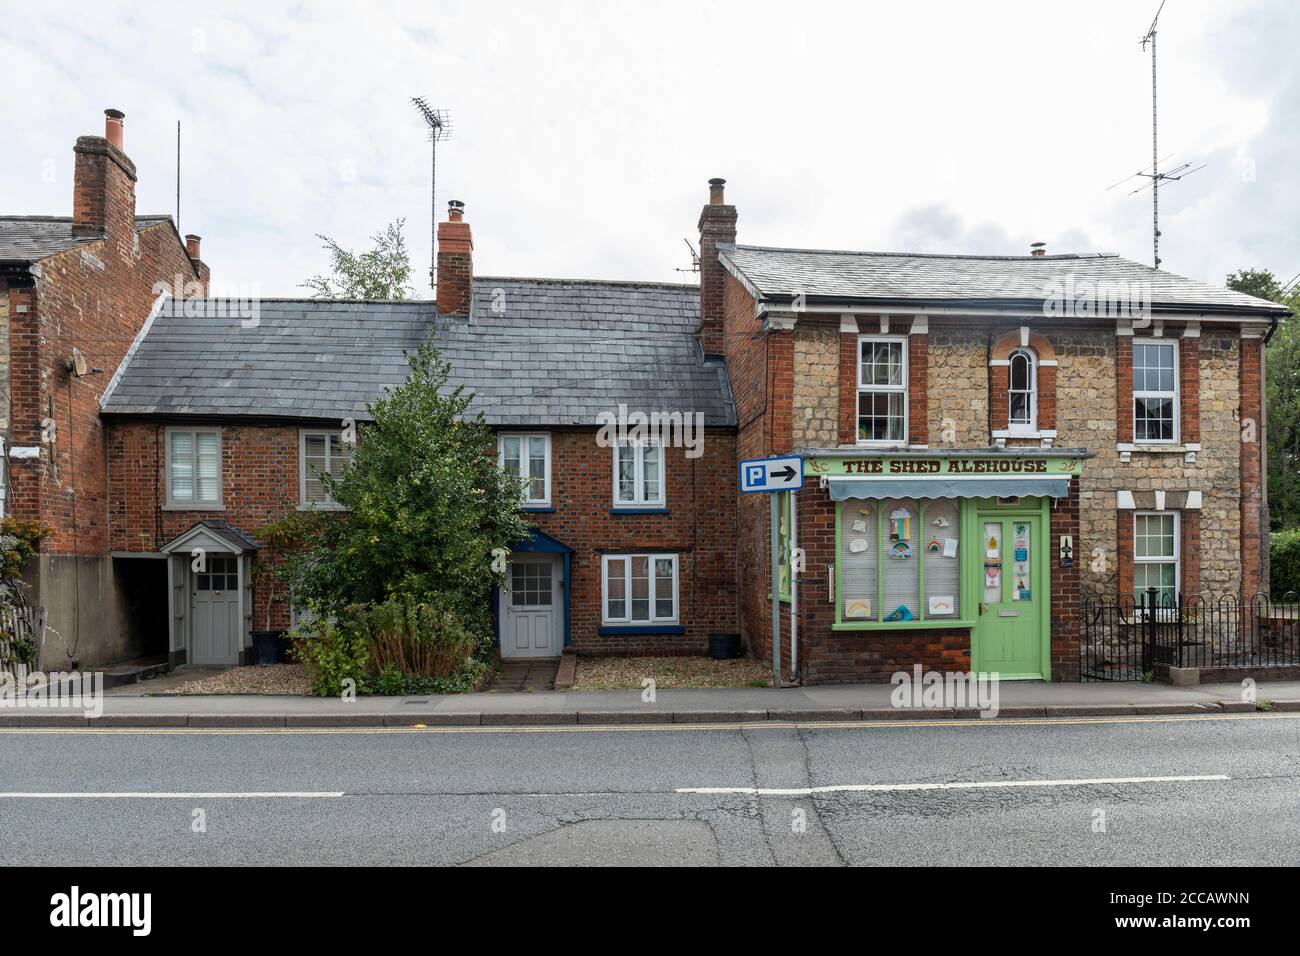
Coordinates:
x,y
899,560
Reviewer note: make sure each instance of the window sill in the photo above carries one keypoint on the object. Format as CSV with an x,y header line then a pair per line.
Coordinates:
x,y
653,510
194,507
322,508
1189,450
900,625
537,509
615,629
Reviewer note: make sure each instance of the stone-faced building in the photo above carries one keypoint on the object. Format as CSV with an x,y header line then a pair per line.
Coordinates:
x,y
985,439
220,420
74,291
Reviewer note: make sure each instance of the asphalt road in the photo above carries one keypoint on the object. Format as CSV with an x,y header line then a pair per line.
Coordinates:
x,y
1026,793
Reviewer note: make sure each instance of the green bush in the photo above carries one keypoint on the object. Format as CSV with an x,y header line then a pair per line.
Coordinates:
x,y
332,655
401,646
1284,561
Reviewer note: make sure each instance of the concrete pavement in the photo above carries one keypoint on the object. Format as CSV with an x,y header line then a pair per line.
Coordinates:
x,y
701,706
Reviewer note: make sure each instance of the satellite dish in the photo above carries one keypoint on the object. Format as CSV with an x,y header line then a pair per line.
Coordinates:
x,y
78,363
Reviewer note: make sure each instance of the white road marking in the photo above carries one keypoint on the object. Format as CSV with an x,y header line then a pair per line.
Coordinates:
x,y
178,795
962,785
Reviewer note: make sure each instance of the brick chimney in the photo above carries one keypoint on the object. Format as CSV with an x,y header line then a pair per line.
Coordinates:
x,y
717,226
103,185
192,243
455,262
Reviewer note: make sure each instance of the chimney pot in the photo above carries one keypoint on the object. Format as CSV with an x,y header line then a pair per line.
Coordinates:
x,y
715,191
113,122
455,211
1038,248
192,245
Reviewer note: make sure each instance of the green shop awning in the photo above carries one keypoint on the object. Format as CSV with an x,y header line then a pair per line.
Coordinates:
x,y
844,487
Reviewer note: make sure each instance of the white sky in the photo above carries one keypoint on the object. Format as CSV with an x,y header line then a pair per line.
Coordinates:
x,y
585,132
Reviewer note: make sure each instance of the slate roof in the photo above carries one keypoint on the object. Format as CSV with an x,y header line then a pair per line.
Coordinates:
x,y
30,238
535,352
910,278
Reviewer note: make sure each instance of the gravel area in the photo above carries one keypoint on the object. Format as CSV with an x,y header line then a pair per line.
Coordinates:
x,y
610,673
274,679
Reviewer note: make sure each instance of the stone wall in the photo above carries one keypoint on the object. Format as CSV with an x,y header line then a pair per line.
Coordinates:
x,y
958,382
1086,417
816,385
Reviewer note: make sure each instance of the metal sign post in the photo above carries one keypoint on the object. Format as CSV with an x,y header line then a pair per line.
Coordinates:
x,y
764,476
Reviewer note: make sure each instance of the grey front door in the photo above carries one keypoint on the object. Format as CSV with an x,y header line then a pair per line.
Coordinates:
x,y
533,610
215,612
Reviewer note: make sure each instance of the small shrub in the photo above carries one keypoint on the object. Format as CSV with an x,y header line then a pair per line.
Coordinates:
x,y
1284,561
399,647
332,655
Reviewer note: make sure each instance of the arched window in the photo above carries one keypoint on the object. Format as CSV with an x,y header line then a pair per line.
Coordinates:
x,y
1022,392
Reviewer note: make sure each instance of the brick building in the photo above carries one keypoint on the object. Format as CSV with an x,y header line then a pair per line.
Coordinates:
x,y
986,438
219,420
74,291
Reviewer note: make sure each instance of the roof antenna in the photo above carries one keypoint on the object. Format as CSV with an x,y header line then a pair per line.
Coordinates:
x,y
178,175
695,259
439,123
1155,176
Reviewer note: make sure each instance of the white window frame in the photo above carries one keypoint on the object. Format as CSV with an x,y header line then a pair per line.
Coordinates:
x,y
627,620
1030,427
1173,394
303,434
528,502
640,500
195,503
864,388
1175,560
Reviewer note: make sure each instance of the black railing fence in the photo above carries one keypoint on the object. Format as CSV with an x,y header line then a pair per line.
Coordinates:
x,y
1130,636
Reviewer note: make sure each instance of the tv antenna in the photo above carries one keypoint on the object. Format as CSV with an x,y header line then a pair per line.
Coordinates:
x,y
1155,176
439,123
695,259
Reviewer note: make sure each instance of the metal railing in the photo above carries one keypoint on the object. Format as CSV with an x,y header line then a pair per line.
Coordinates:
x,y
1127,637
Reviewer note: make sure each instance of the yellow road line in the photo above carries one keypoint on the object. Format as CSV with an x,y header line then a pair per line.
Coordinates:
x,y
635,728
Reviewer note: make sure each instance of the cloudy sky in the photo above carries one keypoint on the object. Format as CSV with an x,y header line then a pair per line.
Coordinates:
x,y
585,132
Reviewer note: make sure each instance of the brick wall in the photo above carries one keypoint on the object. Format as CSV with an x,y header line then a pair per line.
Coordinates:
x,y
260,483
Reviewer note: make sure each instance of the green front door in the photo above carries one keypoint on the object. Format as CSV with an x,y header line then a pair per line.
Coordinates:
x,y
1013,594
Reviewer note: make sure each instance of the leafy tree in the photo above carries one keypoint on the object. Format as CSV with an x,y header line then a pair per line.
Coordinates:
x,y
1282,397
380,273
425,506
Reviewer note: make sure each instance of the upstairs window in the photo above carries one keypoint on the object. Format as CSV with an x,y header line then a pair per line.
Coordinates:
x,y
320,453
1155,391
528,456
1022,392
882,389
638,475
194,468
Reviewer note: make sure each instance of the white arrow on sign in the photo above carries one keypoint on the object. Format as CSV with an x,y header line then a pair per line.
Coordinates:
x,y
771,474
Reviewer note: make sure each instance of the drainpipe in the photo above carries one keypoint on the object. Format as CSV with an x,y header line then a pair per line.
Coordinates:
x,y
794,585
